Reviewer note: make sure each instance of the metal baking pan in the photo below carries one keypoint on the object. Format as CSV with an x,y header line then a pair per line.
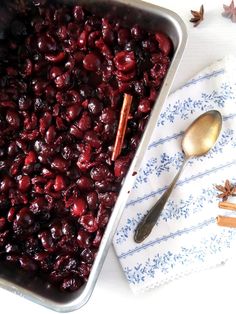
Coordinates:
x,y
152,18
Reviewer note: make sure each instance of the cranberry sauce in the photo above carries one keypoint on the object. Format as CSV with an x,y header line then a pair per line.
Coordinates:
x,y
63,74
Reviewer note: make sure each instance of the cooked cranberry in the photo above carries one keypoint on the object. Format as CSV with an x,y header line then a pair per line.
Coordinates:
x,y
38,205
89,223
92,200
13,119
84,239
82,41
125,61
40,104
95,106
85,122
27,263
144,105
87,255
79,207
78,13
137,32
44,259
47,241
71,284
164,43
92,62
46,43
75,131
62,80
6,183
108,116
56,58
24,217
60,164
101,172
55,72
121,166
73,111
50,135
123,36
11,214
59,184
92,138
24,183
107,199
85,91
85,183
30,158
65,263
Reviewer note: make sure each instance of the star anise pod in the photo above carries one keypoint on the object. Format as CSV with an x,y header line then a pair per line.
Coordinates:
x,y
227,190
230,11
197,16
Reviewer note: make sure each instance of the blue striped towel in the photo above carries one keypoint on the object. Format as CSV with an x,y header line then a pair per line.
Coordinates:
x,y
186,238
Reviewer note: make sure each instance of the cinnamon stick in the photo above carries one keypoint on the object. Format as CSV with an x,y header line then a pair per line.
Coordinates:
x,y
225,221
124,115
227,205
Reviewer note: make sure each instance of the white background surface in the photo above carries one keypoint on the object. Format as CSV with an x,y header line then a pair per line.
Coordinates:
x,y
211,291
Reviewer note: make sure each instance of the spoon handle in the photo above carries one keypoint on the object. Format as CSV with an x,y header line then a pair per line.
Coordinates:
x,y
144,228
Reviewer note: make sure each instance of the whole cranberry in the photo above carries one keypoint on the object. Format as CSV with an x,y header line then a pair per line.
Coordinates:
x,y
101,172
85,183
59,184
92,200
78,13
47,241
24,102
108,116
73,111
95,106
84,238
24,183
55,72
123,36
31,158
79,207
24,217
144,105
164,42
125,61
92,62
27,263
85,122
89,222
60,164
137,32
6,183
46,43
13,119
87,255
71,284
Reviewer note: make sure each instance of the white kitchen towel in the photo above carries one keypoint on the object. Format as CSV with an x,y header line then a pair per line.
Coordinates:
x,y
186,237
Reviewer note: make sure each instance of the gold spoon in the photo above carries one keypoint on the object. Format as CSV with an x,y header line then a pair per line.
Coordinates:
x,y
198,139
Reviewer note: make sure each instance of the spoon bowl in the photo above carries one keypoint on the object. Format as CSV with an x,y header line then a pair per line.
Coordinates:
x,y
198,139
202,134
